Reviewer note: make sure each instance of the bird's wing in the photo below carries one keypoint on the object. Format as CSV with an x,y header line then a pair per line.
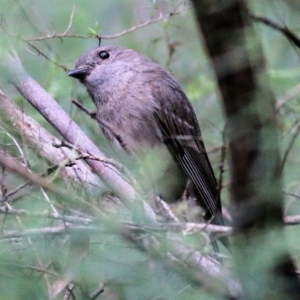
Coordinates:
x,y
181,133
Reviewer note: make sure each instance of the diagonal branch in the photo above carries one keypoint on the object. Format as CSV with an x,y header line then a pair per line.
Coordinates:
x,y
41,140
70,131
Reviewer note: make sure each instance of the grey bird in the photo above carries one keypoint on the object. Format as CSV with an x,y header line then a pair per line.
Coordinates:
x,y
141,108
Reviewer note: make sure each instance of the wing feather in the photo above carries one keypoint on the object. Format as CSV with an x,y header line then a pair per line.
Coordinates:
x,y
181,133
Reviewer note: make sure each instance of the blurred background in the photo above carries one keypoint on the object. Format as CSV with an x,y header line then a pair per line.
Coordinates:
x,y
49,36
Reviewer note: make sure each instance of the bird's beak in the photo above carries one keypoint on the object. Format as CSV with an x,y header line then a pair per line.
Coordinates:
x,y
79,73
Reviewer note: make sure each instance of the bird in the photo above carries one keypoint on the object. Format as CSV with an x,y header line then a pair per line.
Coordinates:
x,y
141,108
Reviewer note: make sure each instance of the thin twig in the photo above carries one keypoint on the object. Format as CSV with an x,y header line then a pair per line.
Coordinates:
x,y
290,146
69,292
167,208
92,114
283,29
160,18
97,292
294,92
70,21
46,56
103,124
36,253
22,212
87,156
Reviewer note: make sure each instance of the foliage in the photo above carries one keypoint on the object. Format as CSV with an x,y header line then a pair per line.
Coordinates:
x,y
31,263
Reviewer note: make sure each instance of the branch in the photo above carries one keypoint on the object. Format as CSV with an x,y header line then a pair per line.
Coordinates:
x,y
283,29
198,267
41,140
65,34
294,92
292,220
15,166
296,132
46,215
102,123
70,131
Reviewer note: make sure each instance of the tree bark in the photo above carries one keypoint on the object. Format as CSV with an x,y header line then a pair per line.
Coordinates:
x,y
262,260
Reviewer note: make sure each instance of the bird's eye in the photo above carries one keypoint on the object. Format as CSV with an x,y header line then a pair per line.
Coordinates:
x,y
104,55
